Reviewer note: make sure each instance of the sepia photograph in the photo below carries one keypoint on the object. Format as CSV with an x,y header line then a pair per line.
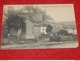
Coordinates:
x,y
38,26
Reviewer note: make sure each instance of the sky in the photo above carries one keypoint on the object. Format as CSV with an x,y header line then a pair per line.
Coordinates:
x,y
59,12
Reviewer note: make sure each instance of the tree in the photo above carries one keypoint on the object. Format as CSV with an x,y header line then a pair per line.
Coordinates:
x,y
49,28
15,22
38,10
5,31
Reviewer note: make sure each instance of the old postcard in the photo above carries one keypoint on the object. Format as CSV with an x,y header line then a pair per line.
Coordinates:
x,y
38,26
